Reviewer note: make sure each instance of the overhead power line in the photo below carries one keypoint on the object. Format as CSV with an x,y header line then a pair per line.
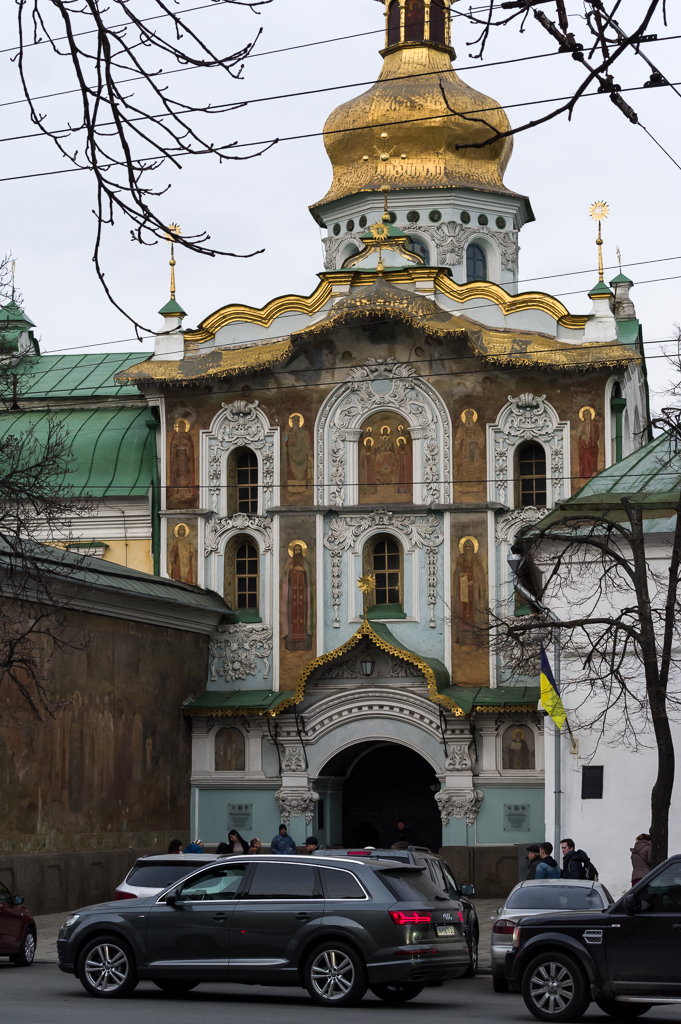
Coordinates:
x,y
338,131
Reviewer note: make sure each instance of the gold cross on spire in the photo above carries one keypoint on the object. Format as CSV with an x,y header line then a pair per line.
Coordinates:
x,y
173,232
599,211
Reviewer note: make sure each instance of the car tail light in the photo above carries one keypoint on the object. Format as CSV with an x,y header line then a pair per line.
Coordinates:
x,y
121,895
460,917
503,927
516,936
410,916
416,952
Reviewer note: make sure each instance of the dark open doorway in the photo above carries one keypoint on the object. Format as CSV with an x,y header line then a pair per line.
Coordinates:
x,y
387,784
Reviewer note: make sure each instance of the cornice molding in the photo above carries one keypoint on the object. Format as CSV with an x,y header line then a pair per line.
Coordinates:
x,y
264,317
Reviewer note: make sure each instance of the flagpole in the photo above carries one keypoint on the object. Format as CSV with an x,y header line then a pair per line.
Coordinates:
x,y
557,774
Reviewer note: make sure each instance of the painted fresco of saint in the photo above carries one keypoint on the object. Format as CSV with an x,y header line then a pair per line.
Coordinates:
x,y
386,460
589,436
297,600
468,591
230,751
404,464
367,467
181,488
298,456
517,754
181,555
469,453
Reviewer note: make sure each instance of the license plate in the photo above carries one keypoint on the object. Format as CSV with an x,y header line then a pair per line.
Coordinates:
x,y
445,929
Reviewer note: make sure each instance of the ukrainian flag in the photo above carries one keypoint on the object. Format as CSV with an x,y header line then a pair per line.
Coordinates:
x,y
550,697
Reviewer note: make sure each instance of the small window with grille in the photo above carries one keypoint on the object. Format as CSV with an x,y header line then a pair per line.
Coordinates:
x,y
387,571
246,576
476,263
531,476
247,483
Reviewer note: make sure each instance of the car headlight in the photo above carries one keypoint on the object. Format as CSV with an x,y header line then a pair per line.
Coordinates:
x,y
70,921
515,942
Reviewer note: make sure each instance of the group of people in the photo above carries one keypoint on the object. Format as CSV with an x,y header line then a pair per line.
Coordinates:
x,y
236,844
576,863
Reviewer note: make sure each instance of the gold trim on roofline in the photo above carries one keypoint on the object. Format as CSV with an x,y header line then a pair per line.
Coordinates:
x,y
265,317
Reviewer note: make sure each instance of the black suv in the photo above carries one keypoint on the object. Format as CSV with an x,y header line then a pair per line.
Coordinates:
x,y
627,957
335,927
440,872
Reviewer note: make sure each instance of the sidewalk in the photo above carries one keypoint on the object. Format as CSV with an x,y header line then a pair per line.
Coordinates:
x,y
48,926
487,910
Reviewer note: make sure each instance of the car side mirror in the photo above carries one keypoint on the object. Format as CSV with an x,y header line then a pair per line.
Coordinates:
x,y
629,905
172,897
468,889
18,900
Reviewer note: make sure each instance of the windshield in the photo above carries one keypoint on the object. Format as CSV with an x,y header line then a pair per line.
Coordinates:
x,y
555,897
411,885
158,876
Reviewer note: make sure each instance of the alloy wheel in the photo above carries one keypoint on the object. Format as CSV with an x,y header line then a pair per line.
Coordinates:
x,y
332,974
552,987
106,967
29,947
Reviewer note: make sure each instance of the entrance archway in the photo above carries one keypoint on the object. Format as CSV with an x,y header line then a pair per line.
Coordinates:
x,y
385,783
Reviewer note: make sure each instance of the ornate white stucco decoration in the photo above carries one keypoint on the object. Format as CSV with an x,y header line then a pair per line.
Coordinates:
x,y
294,760
218,531
527,418
420,532
294,801
459,759
452,238
457,803
334,243
234,648
235,426
511,523
382,384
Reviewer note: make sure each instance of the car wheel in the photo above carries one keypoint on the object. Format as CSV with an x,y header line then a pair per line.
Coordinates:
x,y
335,975
499,983
26,955
399,992
622,1011
106,968
176,988
555,988
472,956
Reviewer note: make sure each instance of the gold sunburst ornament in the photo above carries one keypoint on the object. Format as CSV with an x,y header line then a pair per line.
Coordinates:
x,y
599,211
367,583
173,232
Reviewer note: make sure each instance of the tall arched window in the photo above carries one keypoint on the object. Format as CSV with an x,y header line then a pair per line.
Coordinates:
x,y
531,475
476,263
383,558
246,576
247,483
394,23
437,21
420,250
414,21
242,578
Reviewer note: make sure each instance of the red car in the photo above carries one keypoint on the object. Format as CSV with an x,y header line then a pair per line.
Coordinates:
x,y
18,932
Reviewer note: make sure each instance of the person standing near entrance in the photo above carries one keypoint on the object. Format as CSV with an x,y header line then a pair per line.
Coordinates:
x,y
533,858
282,843
574,861
402,835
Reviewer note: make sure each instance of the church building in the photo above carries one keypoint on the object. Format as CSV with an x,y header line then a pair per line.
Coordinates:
x,y
397,427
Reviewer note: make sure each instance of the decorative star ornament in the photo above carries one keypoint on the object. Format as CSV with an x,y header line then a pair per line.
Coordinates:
x,y
366,583
599,210
379,230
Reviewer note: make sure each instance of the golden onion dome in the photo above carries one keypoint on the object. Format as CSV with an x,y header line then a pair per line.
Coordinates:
x,y
422,135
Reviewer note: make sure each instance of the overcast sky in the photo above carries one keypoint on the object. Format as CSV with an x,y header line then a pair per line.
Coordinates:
x,y
563,167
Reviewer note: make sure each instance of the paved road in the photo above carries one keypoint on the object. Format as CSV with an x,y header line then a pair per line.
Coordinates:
x,y
42,995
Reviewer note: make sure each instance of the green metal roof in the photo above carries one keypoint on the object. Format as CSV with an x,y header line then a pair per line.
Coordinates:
x,y
483,698
172,308
114,451
236,702
441,674
87,376
651,474
84,571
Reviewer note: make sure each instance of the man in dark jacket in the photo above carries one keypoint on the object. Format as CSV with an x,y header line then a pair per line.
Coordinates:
x,y
533,857
547,867
574,861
